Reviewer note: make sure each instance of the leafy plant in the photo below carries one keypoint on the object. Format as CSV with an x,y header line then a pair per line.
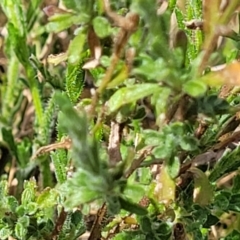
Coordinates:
x,y
119,119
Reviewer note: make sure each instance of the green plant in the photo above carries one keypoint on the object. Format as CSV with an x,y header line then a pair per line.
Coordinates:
x,y
124,111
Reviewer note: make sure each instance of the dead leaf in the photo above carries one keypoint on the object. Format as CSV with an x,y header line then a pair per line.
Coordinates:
x,y
165,188
57,58
229,76
203,190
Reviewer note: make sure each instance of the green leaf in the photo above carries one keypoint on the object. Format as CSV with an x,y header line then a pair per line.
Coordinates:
x,y
227,163
145,224
102,27
19,45
31,208
152,70
221,200
132,207
113,204
82,7
173,167
5,232
74,81
83,187
12,202
47,198
134,192
76,47
21,227
133,235
211,220
130,94
195,88
8,138
152,137
60,22
188,143
234,203
236,184
166,148
16,17
234,235
29,193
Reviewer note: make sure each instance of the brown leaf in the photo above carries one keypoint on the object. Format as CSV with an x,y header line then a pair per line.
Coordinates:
x,y
229,75
52,10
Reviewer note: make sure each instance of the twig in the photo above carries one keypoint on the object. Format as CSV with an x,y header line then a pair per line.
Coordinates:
x,y
96,228
114,144
137,162
66,143
59,224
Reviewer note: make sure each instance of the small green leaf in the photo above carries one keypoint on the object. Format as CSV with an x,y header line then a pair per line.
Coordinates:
x,y
74,81
31,208
29,193
102,27
130,94
173,167
145,224
12,202
195,88
5,232
83,8
166,147
152,137
47,198
234,203
21,227
221,200
234,235
76,47
236,184
188,143
132,207
211,220
133,235
60,22
134,192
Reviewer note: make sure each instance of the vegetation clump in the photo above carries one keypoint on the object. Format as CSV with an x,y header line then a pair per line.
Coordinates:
x,y
119,119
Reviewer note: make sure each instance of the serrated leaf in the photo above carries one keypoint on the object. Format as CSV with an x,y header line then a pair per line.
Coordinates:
x,y
12,202
47,198
21,227
74,81
130,94
29,193
31,208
